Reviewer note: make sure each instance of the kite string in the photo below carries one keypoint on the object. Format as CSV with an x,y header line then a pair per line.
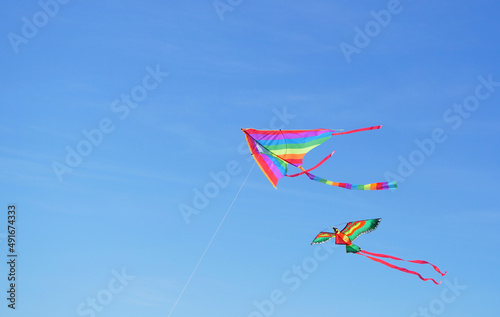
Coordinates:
x,y
210,243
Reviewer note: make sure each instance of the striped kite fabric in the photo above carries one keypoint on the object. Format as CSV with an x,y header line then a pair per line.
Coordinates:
x,y
274,150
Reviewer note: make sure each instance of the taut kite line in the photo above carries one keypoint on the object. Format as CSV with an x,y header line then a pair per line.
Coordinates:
x,y
273,150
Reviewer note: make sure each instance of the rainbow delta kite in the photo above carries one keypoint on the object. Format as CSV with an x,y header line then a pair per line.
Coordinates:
x,y
356,228
273,150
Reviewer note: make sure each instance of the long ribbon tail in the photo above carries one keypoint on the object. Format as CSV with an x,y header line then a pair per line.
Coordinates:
x,y
380,255
316,166
367,254
372,186
359,130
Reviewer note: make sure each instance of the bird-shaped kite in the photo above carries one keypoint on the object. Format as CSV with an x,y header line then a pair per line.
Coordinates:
x,y
273,150
356,228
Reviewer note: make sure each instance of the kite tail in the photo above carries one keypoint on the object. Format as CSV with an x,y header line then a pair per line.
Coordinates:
x,y
372,186
314,167
359,130
373,255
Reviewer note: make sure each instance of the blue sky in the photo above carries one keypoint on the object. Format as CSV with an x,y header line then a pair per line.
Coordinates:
x,y
151,98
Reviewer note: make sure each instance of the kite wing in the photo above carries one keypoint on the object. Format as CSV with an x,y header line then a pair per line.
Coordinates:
x,y
273,150
356,228
372,186
323,237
